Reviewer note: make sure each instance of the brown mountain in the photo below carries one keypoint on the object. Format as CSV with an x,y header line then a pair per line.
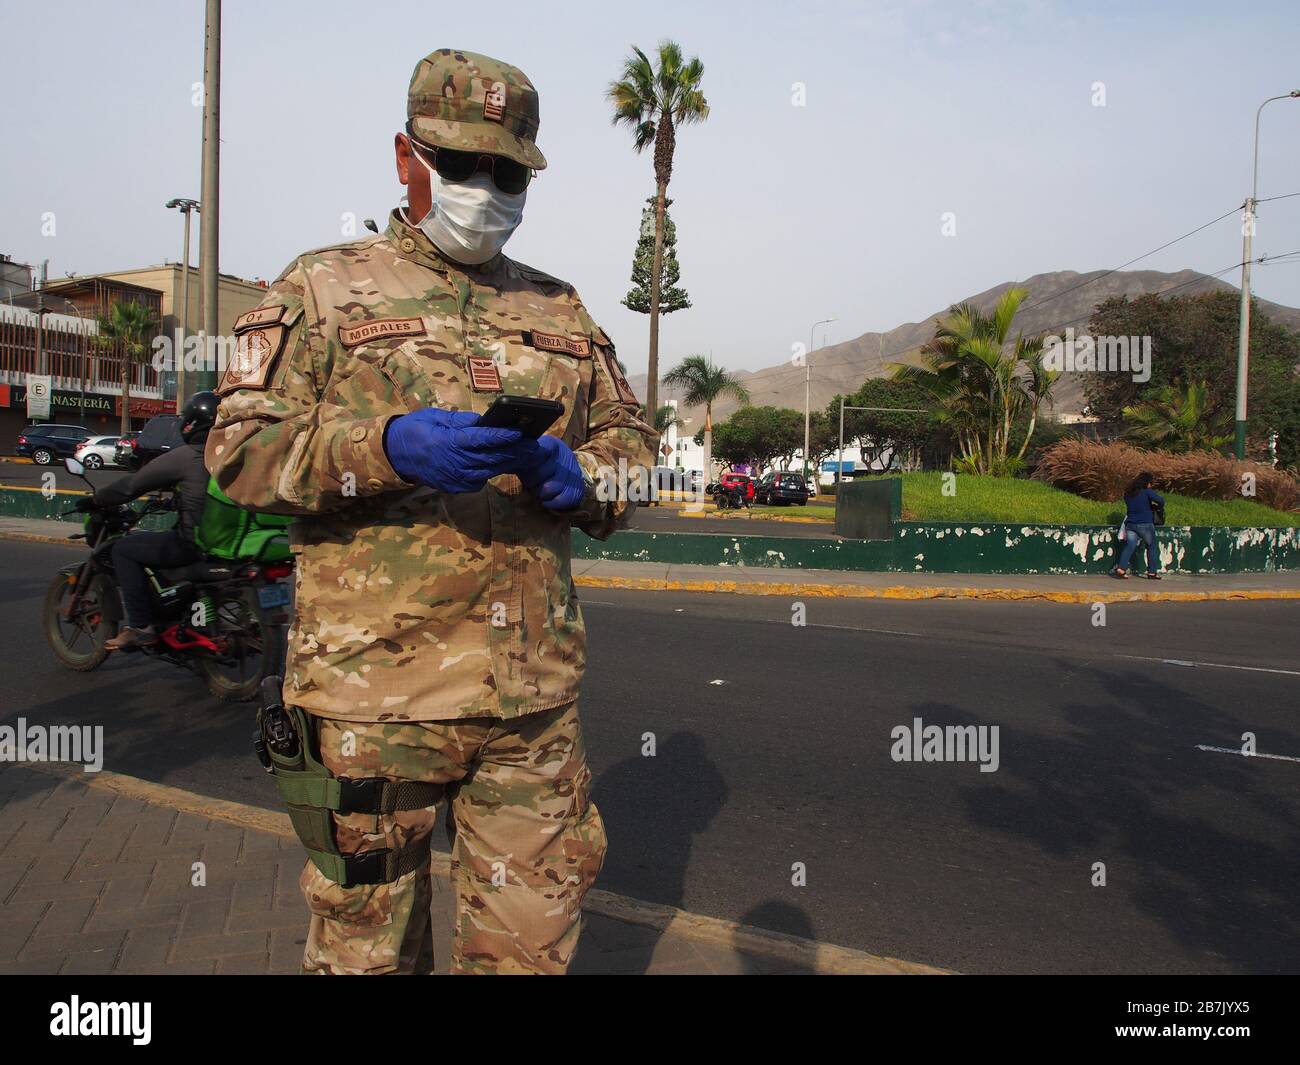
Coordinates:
x,y
1055,301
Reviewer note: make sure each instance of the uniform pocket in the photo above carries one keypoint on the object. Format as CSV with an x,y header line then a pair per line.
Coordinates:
x,y
363,906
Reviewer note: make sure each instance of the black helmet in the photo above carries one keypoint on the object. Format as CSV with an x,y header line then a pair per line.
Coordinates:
x,y
197,417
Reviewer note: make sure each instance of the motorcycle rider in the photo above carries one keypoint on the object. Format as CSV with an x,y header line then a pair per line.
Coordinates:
x,y
182,469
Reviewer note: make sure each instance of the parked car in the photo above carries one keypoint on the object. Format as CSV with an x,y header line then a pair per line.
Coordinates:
x,y
48,444
124,453
161,433
730,480
778,487
96,452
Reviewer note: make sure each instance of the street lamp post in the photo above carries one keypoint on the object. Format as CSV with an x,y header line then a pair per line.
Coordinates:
x,y
807,392
1247,232
185,207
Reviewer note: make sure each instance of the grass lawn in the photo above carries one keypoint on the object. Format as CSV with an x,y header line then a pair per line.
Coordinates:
x,y
1015,501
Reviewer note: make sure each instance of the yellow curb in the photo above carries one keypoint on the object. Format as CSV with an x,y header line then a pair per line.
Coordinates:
x,y
857,591
35,538
20,459
727,515
30,488
823,958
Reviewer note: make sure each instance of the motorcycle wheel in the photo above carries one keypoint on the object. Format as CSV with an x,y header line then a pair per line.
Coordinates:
x,y
253,649
78,642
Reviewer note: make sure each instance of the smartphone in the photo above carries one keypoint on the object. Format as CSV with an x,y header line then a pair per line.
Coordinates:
x,y
530,415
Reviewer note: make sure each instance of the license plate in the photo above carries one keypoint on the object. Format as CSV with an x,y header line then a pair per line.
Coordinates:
x,y
272,595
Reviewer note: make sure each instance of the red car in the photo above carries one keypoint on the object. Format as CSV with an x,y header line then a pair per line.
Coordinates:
x,y
730,480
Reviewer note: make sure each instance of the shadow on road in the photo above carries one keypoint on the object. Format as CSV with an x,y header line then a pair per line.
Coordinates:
x,y
1157,812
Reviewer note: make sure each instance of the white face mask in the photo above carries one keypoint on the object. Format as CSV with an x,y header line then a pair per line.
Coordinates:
x,y
470,221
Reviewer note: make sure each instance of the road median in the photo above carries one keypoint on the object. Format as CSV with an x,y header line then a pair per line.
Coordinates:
x,y
850,584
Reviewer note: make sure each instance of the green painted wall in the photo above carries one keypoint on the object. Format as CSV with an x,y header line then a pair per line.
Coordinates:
x,y
23,503
708,549
981,547
919,547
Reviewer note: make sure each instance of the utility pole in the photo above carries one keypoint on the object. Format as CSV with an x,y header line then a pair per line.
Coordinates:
x,y
1247,233
182,391
209,226
42,360
807,393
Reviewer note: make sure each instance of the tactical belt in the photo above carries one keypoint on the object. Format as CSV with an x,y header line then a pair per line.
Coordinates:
x,y
313,794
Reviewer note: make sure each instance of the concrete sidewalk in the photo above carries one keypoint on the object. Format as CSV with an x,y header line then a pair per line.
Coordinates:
x,y
97,871
817,583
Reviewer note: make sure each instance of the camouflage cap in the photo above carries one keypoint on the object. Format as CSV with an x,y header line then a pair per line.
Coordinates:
x,y
472,103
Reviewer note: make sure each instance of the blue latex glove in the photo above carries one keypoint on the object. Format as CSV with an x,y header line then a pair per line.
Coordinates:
x,y
556,478
450,451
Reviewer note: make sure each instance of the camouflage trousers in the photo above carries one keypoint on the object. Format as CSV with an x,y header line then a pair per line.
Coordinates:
x,y
528,843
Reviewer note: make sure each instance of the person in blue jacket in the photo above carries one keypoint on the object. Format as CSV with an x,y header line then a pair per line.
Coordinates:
x,y
1140,525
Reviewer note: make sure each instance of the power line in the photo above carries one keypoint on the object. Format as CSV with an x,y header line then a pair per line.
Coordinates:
x,y
1107,273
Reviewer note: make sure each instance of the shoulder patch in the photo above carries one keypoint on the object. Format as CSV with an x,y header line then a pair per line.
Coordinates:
x,y
256,351
621,386
270,315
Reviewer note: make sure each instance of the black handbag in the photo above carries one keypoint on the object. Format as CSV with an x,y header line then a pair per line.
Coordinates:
x,y
1157,513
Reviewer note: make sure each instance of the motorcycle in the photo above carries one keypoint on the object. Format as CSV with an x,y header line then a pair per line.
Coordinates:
x,y
730,497
224,621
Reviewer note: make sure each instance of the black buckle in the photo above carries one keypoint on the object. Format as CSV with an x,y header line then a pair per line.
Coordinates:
x,y
361,796
368,868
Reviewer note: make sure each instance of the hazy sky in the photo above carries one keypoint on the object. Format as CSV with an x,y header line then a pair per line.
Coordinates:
x,y
785,214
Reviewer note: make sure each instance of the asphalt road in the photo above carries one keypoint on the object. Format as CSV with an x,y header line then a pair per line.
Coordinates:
x,y
648,519
788,760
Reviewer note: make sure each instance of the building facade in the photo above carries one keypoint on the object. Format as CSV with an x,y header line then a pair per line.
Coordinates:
x,y
53,329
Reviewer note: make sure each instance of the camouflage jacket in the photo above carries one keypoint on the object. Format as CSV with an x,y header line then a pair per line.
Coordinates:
x,y
414,604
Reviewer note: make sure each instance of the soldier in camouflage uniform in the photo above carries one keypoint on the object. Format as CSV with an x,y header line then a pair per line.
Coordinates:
x,y
437,635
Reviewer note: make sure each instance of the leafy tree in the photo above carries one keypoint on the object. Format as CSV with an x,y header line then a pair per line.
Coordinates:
x,y
757,436
1178,419
1194,338
983,381
654,99
702,384
1282,417
893,431
671,297
126,329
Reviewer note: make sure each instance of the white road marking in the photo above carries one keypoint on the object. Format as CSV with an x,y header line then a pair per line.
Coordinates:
x,y
1238,750
1211,665
859,628
717,682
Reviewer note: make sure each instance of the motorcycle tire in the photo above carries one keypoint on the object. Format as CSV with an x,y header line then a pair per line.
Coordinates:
x,y
79,645
256,650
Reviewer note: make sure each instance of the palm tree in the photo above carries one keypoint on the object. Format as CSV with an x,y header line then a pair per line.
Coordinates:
x,y
654,101
985,382
702,384
127,328
1177,419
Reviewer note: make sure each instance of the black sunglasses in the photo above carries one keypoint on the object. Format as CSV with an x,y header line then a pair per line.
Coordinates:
x,y
452,165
